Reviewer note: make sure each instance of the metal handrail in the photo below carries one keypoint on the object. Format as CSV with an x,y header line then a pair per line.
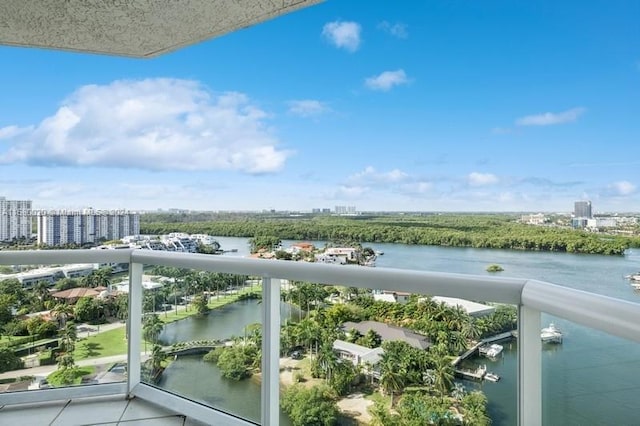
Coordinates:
x,y
614,316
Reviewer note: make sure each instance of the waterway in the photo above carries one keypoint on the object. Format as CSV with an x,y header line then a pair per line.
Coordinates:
x,y
592,378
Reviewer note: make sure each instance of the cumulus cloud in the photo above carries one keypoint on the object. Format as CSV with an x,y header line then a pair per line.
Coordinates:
x,y
308,107
343,34
622,188
550,118
387,80
398,29
152,124
481,179
371,176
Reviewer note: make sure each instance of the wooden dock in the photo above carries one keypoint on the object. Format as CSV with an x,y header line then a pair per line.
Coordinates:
x,y
476,347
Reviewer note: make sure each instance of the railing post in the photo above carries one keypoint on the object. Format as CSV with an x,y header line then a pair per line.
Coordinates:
x,y
270,412
134,325
529,367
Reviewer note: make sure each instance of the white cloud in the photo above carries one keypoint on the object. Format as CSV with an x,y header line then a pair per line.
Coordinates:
x,y
308,107
622,188
343,35
152,124
11,131
347,191
370,176
387,80
398,29
481,179
550,118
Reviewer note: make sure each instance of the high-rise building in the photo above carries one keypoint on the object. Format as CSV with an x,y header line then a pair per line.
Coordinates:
x,y
582,209
15,219
85,226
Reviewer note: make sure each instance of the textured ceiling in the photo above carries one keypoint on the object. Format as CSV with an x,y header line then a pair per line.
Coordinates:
x,y
137,28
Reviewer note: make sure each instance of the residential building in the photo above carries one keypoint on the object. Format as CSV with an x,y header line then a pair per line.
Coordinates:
x,y
15,219
345,210
472,308
391,296
357,354
389,332
533,219
582,209
59,227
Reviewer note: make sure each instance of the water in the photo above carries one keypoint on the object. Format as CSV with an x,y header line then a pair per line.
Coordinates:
x,y
592,378
202,381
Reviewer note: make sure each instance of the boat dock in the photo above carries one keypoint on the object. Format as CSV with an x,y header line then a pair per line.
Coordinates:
x,y
476,347
478,374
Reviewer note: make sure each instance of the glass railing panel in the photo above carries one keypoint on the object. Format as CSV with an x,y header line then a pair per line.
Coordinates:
x,y
366,350
62,325
589,378
201,337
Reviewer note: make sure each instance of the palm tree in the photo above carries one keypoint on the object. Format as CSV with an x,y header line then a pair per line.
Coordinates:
x,y
152,328
157,356
41,289
392,379
443,371
327,360
62,311
458,392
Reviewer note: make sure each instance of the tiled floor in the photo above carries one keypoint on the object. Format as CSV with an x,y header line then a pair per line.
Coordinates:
x,y
105,411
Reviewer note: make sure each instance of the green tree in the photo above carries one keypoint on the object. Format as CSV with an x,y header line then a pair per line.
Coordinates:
x,y
264,242
9,361
315,406
200,304
151,328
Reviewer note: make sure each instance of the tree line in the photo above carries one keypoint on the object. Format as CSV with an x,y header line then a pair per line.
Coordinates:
x,y
454,230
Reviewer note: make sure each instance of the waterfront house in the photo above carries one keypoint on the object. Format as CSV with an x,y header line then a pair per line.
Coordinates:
x,y
389,332
474,309
357,354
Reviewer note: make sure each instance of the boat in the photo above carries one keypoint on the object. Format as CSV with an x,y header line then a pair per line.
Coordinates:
x,y
634,277
491,351
551,334
379,252
492,377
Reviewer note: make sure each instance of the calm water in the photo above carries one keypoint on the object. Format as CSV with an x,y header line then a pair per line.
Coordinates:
x,y
201,381
591,379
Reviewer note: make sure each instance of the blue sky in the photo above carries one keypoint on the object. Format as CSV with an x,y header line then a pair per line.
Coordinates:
x,y
432,106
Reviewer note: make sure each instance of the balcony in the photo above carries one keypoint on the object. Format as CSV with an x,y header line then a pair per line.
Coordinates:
x,y
139,401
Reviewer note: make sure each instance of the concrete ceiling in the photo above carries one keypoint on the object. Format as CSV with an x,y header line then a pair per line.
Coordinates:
x,y
135,28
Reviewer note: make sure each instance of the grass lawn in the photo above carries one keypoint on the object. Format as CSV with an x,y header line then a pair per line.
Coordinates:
x,y
55,378
215,302
109,343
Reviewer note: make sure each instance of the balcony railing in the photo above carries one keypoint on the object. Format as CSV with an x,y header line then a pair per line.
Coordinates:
x,y
613,316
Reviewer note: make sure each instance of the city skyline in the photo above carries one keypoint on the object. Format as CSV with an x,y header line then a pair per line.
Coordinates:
x,y
403,107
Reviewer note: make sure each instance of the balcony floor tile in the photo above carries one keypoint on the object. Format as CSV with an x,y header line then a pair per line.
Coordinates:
x,y
42,414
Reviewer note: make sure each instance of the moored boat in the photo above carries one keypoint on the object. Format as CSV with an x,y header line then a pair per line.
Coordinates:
x,y
491,351
492,377
551,334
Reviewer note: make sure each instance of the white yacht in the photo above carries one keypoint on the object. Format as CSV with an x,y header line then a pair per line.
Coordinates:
x,y
491,351
551,334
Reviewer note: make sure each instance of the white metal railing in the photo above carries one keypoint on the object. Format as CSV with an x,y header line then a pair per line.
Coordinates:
x,y
614,316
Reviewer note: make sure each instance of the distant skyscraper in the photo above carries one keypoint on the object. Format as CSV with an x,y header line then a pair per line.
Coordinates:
x,y
582,209
15,219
